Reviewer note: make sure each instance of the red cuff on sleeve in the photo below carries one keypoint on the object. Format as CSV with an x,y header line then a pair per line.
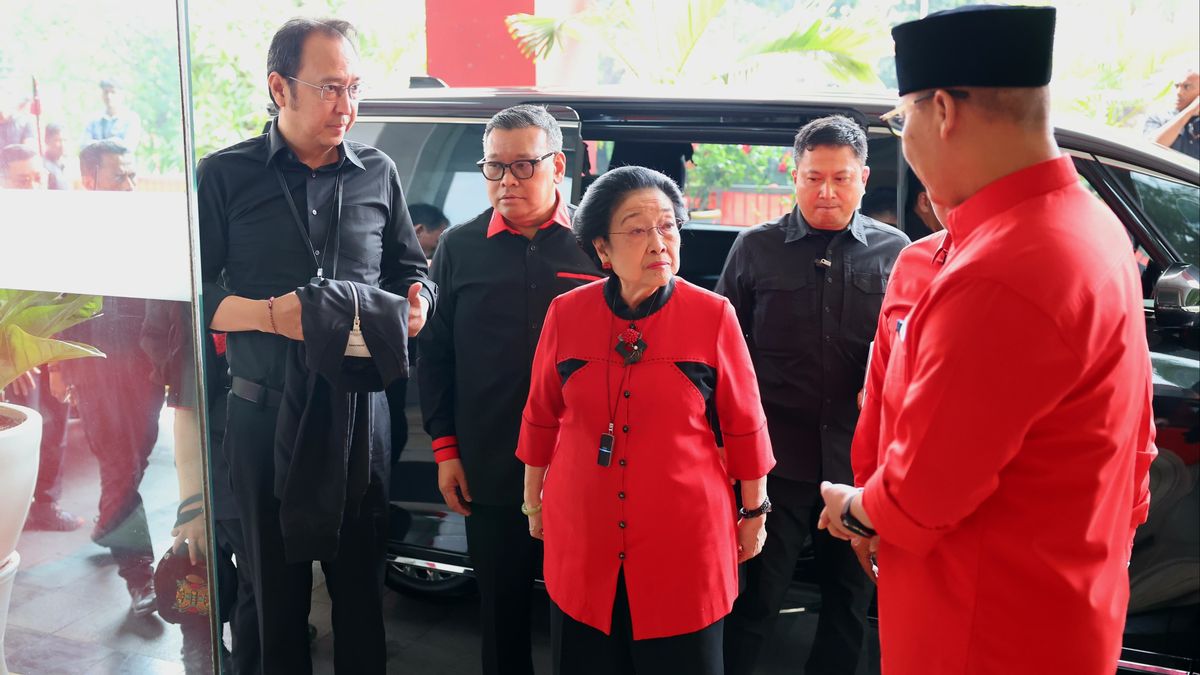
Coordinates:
x,y
444,448
536,444
748,456
891,522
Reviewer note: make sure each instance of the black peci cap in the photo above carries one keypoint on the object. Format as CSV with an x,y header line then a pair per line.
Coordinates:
x,y
976,46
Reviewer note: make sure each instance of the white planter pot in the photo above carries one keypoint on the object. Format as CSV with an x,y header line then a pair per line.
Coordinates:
x,y
19,450
19,454
8,572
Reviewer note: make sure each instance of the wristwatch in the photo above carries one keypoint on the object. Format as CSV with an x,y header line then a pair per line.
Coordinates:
x,y
854,524
764,509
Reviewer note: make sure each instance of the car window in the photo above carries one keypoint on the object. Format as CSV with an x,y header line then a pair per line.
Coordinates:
x,y
739,185
436,162
1147,268
1172,207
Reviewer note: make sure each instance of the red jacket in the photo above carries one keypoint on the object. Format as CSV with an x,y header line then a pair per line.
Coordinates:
x,y
1018,429
663,509
914,269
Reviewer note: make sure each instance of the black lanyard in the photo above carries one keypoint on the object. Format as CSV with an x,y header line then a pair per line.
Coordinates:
x,y
335,219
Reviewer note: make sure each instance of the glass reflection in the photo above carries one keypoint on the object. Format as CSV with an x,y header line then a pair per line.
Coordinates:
x,y
110,569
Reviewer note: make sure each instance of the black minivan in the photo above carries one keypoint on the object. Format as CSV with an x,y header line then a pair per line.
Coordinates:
x,y
738,176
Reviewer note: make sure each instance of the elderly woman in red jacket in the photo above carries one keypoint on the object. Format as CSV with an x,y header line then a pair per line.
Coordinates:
x,y
643,406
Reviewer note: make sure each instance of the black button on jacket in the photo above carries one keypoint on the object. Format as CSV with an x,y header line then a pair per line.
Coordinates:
x,y
476,353
808,304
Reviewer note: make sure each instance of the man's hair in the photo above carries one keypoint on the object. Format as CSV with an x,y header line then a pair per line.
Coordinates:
x,y
287,46
1027,107
833,131
14,153
428,215
593,218
93,154
52,129
524,116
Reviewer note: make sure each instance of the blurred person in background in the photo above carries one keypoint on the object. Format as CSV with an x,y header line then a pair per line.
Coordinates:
x,y
15,128
1179,129
116,121
429,222
43,389
119,401
52,157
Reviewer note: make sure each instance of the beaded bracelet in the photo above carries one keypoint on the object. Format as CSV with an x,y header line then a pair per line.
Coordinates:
x,y
271,313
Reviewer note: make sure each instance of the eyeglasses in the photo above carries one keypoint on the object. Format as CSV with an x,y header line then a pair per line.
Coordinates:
x,y
521,169
333,92
898,116
668,231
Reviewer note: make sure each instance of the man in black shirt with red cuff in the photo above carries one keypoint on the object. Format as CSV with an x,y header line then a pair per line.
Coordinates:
x,y
497,275
266,208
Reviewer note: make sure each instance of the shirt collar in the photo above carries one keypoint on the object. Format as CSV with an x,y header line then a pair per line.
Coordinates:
x,y
798,228
1003,194
276,144
612,297
561,216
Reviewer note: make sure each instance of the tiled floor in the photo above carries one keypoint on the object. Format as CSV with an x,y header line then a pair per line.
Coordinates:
x,y
69,612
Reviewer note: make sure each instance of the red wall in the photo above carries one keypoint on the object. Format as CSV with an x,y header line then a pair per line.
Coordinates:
x,y
468,45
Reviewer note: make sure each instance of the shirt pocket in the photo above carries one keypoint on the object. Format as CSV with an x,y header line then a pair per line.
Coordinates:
x,y
864,300
361,234
784,307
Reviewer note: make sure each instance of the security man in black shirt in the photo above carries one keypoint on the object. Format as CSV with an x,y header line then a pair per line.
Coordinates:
x,y
497,274
807,289
276,210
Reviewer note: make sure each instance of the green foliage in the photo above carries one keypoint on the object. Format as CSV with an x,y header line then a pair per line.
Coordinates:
x,y
29,320
721,167
697,41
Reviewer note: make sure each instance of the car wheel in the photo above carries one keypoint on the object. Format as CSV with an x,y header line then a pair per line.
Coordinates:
x,y
423,582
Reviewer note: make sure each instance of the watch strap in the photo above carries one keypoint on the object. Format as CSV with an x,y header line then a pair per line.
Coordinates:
x,y
763,509
854,524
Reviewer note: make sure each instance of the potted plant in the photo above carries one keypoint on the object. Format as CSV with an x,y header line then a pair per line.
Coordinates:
x,y
29,320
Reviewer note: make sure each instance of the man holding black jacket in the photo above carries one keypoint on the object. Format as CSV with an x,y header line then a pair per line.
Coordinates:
x,y
276,210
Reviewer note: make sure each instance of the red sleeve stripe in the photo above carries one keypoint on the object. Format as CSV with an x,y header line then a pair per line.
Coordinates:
x,y
445,442
574,275
444,454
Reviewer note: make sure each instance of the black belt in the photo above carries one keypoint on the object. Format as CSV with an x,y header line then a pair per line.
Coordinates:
x,y
255,393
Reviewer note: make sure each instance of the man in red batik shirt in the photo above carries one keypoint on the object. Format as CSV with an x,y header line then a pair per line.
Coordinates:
x,y
1016,421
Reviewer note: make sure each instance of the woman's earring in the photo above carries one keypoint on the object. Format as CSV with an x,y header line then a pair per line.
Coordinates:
x,y
606,265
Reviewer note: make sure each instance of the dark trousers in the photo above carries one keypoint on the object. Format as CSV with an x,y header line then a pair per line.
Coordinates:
x,y
580,649
235,596
54,435
282,589
119,406
505,559
845,589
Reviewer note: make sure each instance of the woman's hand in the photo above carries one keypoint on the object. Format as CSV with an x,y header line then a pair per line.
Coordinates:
x,y
751,536
535,525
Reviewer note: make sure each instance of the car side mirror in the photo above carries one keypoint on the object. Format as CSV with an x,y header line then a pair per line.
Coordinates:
x,y
1177,297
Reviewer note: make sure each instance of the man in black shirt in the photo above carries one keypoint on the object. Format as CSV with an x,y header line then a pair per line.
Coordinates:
x,y
808,289
266,208
497,274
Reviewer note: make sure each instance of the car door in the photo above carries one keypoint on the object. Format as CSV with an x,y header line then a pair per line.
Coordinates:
x,y
1161,213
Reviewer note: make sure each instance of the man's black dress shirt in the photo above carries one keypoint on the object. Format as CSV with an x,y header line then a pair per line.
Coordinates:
x,y
250,245
808,324
476,353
